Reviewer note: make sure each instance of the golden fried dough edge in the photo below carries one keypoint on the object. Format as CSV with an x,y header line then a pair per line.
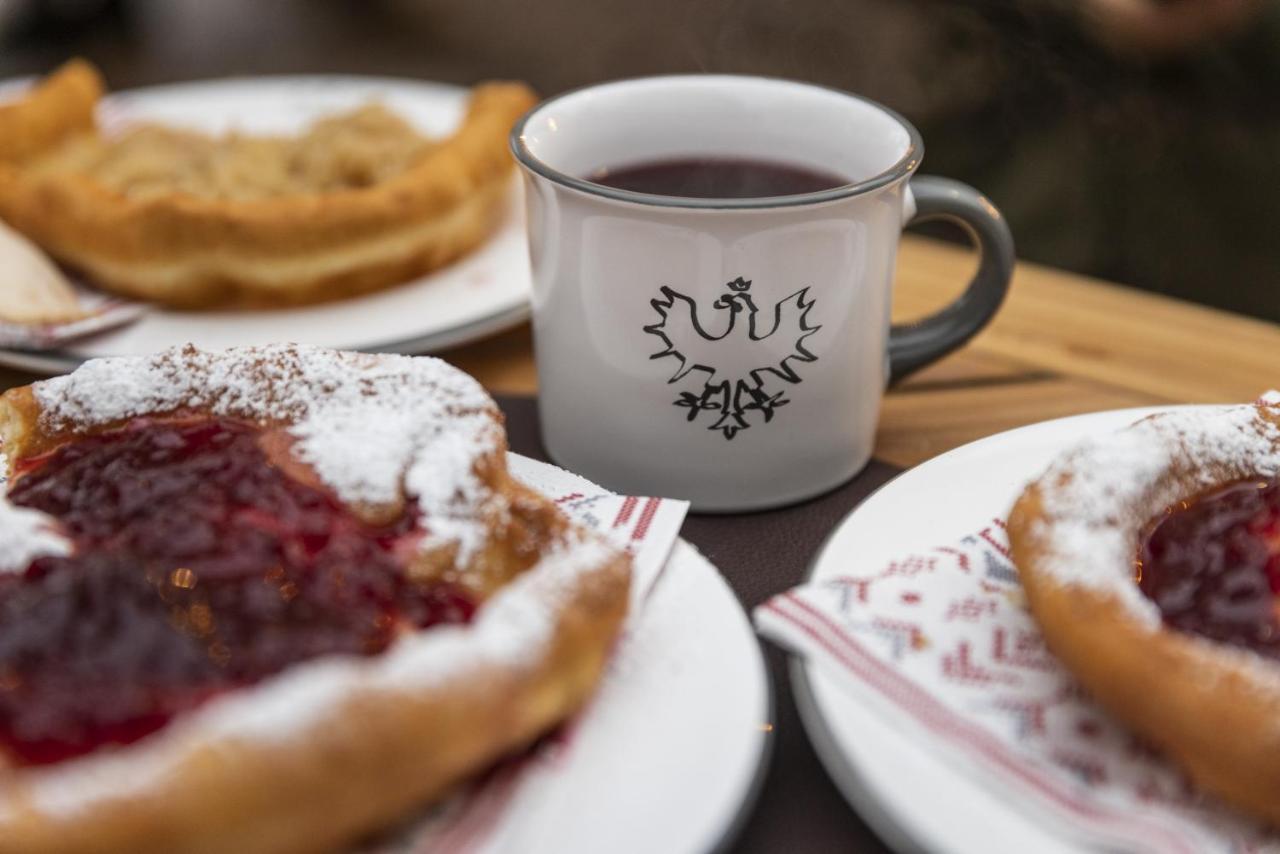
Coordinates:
x,y
58,107
1187,696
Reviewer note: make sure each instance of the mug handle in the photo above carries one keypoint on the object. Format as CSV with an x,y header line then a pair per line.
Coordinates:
x,y
914,345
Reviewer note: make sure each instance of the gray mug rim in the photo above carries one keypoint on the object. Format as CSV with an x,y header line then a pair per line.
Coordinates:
x,y
904,167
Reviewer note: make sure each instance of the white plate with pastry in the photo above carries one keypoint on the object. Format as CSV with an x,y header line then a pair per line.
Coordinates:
x,y
935,533
481,292
277,598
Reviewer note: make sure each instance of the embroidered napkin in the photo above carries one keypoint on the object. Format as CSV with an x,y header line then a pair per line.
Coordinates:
x,y
646,527
940,642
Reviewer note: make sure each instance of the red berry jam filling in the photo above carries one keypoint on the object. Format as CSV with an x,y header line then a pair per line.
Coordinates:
x,y
198,567
1212,565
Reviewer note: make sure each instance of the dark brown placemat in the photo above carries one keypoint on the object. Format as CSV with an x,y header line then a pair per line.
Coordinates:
x,y
759,554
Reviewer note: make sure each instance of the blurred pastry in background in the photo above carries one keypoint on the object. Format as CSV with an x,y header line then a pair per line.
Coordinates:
x,y
32,288
354,203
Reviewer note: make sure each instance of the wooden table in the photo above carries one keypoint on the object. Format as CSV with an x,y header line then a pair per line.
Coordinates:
x,y
1062,344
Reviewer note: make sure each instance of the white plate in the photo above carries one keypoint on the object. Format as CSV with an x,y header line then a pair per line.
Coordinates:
x,y
916,801
673,749
485,291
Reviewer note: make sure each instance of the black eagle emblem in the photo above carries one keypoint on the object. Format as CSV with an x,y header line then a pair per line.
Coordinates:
x,y
774,341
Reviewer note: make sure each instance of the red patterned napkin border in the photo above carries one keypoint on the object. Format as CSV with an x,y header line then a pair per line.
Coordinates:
x,y
941,642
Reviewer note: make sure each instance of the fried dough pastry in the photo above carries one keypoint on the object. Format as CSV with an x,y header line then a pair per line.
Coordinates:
x,y
1207,697
356,203
273,599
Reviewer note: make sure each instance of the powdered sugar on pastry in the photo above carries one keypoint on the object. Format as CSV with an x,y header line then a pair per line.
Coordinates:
x,y
422,424
25,535
1096,498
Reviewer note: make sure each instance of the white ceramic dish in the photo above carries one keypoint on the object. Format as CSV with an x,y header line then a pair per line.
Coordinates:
x,y
914,800
672,751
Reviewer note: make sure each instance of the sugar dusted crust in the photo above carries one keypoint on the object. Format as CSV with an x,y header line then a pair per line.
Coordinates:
x,y
190,251
1075,531
335,747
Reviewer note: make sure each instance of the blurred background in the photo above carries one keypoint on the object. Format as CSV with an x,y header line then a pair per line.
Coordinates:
x,y
1135,140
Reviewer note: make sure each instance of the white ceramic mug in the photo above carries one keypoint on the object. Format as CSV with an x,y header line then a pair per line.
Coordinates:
x,y
732,352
